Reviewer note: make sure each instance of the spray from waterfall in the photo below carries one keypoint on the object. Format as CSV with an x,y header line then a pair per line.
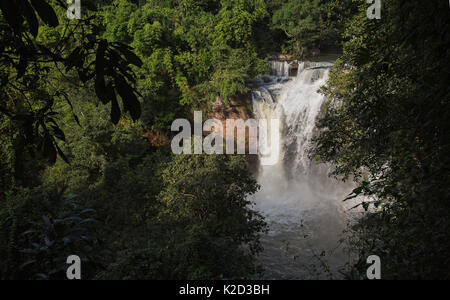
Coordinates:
x,y
302,204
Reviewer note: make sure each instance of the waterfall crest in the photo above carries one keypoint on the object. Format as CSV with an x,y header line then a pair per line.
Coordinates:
x,y
280,68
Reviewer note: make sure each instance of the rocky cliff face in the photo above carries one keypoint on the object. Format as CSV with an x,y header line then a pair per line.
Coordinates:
x,y
237,108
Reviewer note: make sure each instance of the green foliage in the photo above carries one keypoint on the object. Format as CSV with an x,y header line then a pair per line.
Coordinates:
x,y
200,226
206,190
192,52
65,230
39,229
92,145
311,24
16,213
388,121
298,19
28,96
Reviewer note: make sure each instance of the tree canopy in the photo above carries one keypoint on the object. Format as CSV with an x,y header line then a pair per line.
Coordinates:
x,y
387,123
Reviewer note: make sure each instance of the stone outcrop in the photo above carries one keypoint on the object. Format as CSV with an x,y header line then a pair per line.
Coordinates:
x,y
237,108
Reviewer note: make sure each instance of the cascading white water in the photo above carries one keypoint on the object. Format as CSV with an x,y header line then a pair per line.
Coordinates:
x,y
302,204
280,68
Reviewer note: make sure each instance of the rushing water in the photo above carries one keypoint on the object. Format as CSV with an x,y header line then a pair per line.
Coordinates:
x,y
302,204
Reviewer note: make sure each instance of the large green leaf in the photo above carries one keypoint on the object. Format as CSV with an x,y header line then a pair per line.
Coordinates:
x,y
131,57
30,17
46,12
115,111
130,101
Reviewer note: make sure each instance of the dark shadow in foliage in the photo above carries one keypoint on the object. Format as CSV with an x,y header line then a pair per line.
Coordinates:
x,y
65,230
39,229
25,64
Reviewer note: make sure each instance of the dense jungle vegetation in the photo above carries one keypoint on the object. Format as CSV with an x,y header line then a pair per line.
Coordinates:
x,y
387,123
85,113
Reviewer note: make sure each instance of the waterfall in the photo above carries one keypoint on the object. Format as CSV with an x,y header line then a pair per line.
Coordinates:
x,y
301,203
280,68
